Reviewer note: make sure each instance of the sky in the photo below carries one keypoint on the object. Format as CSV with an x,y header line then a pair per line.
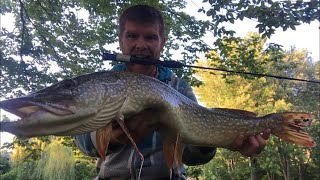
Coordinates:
x,y
306,36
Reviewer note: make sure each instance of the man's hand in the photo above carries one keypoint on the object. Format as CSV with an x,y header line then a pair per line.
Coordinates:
x,y
138,125
252,145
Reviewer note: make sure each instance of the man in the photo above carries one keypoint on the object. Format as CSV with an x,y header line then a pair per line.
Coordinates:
x,y
142,35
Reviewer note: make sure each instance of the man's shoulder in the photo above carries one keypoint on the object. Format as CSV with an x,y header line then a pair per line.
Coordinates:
x,y
118,67
177,83
173,79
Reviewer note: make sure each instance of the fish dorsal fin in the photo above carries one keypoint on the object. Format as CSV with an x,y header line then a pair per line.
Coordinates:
x,y
235,112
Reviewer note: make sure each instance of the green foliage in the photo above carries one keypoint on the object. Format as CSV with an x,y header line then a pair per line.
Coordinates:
x,y
269,14
26,150
57,162
249,55
22,172
227,165
58,39
314,161
38,157
4,164
268,160
243,91
263,96
195,172
85,170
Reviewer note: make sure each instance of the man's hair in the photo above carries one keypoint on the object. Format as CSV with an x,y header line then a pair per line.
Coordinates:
x,y
142,14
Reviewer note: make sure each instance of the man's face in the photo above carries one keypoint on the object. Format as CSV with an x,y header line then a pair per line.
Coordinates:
x,y
141,40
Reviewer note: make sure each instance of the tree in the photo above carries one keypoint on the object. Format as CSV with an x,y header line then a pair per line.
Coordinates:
x,y
22,172
18,156
304,97
262,96
53,34
57,162
38,157
4,162
269,14
85,170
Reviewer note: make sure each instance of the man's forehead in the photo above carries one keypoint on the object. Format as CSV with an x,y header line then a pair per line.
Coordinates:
x,y
141,22
133,25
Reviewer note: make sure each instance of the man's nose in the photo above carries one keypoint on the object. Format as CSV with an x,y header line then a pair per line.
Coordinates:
x,y
141,43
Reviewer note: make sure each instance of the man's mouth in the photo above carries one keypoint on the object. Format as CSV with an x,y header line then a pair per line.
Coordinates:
x,y
142,56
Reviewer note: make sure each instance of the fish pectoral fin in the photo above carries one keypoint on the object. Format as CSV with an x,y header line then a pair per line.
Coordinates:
x,y
168,151
236,112
172,150
103,137
292,124
120,121
178,152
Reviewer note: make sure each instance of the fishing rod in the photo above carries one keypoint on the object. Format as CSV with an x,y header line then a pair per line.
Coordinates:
x,y
177,64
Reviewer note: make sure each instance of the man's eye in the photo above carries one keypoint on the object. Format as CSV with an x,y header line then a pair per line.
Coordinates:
x,y
152,37
131,36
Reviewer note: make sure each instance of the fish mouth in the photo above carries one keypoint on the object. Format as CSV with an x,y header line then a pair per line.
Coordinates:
x,y
26,107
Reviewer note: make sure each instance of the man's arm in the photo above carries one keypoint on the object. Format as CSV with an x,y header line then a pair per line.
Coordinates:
x,y
86,145
195,155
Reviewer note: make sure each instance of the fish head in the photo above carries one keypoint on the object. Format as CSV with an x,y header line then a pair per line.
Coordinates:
x,y
72,106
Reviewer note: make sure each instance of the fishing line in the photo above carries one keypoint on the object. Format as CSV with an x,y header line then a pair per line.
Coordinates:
x,y
177,64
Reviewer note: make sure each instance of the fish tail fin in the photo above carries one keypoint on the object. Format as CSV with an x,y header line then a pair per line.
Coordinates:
x,y
292,128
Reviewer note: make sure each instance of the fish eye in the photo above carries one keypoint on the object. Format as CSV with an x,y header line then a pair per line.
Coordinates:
x,y
68,84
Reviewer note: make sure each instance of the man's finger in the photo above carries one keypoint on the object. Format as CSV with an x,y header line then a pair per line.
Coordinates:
x,y
258,142
254,142
266,134
262,143
261,140
237,143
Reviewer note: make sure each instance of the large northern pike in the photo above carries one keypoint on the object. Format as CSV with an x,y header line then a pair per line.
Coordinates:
x,y
91,102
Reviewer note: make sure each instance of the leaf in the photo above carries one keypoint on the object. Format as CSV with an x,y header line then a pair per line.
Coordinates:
x,y
292,26
210,12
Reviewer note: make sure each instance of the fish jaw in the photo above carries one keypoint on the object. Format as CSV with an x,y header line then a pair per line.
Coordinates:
x,y
27,105
42,114
42,123
84,107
